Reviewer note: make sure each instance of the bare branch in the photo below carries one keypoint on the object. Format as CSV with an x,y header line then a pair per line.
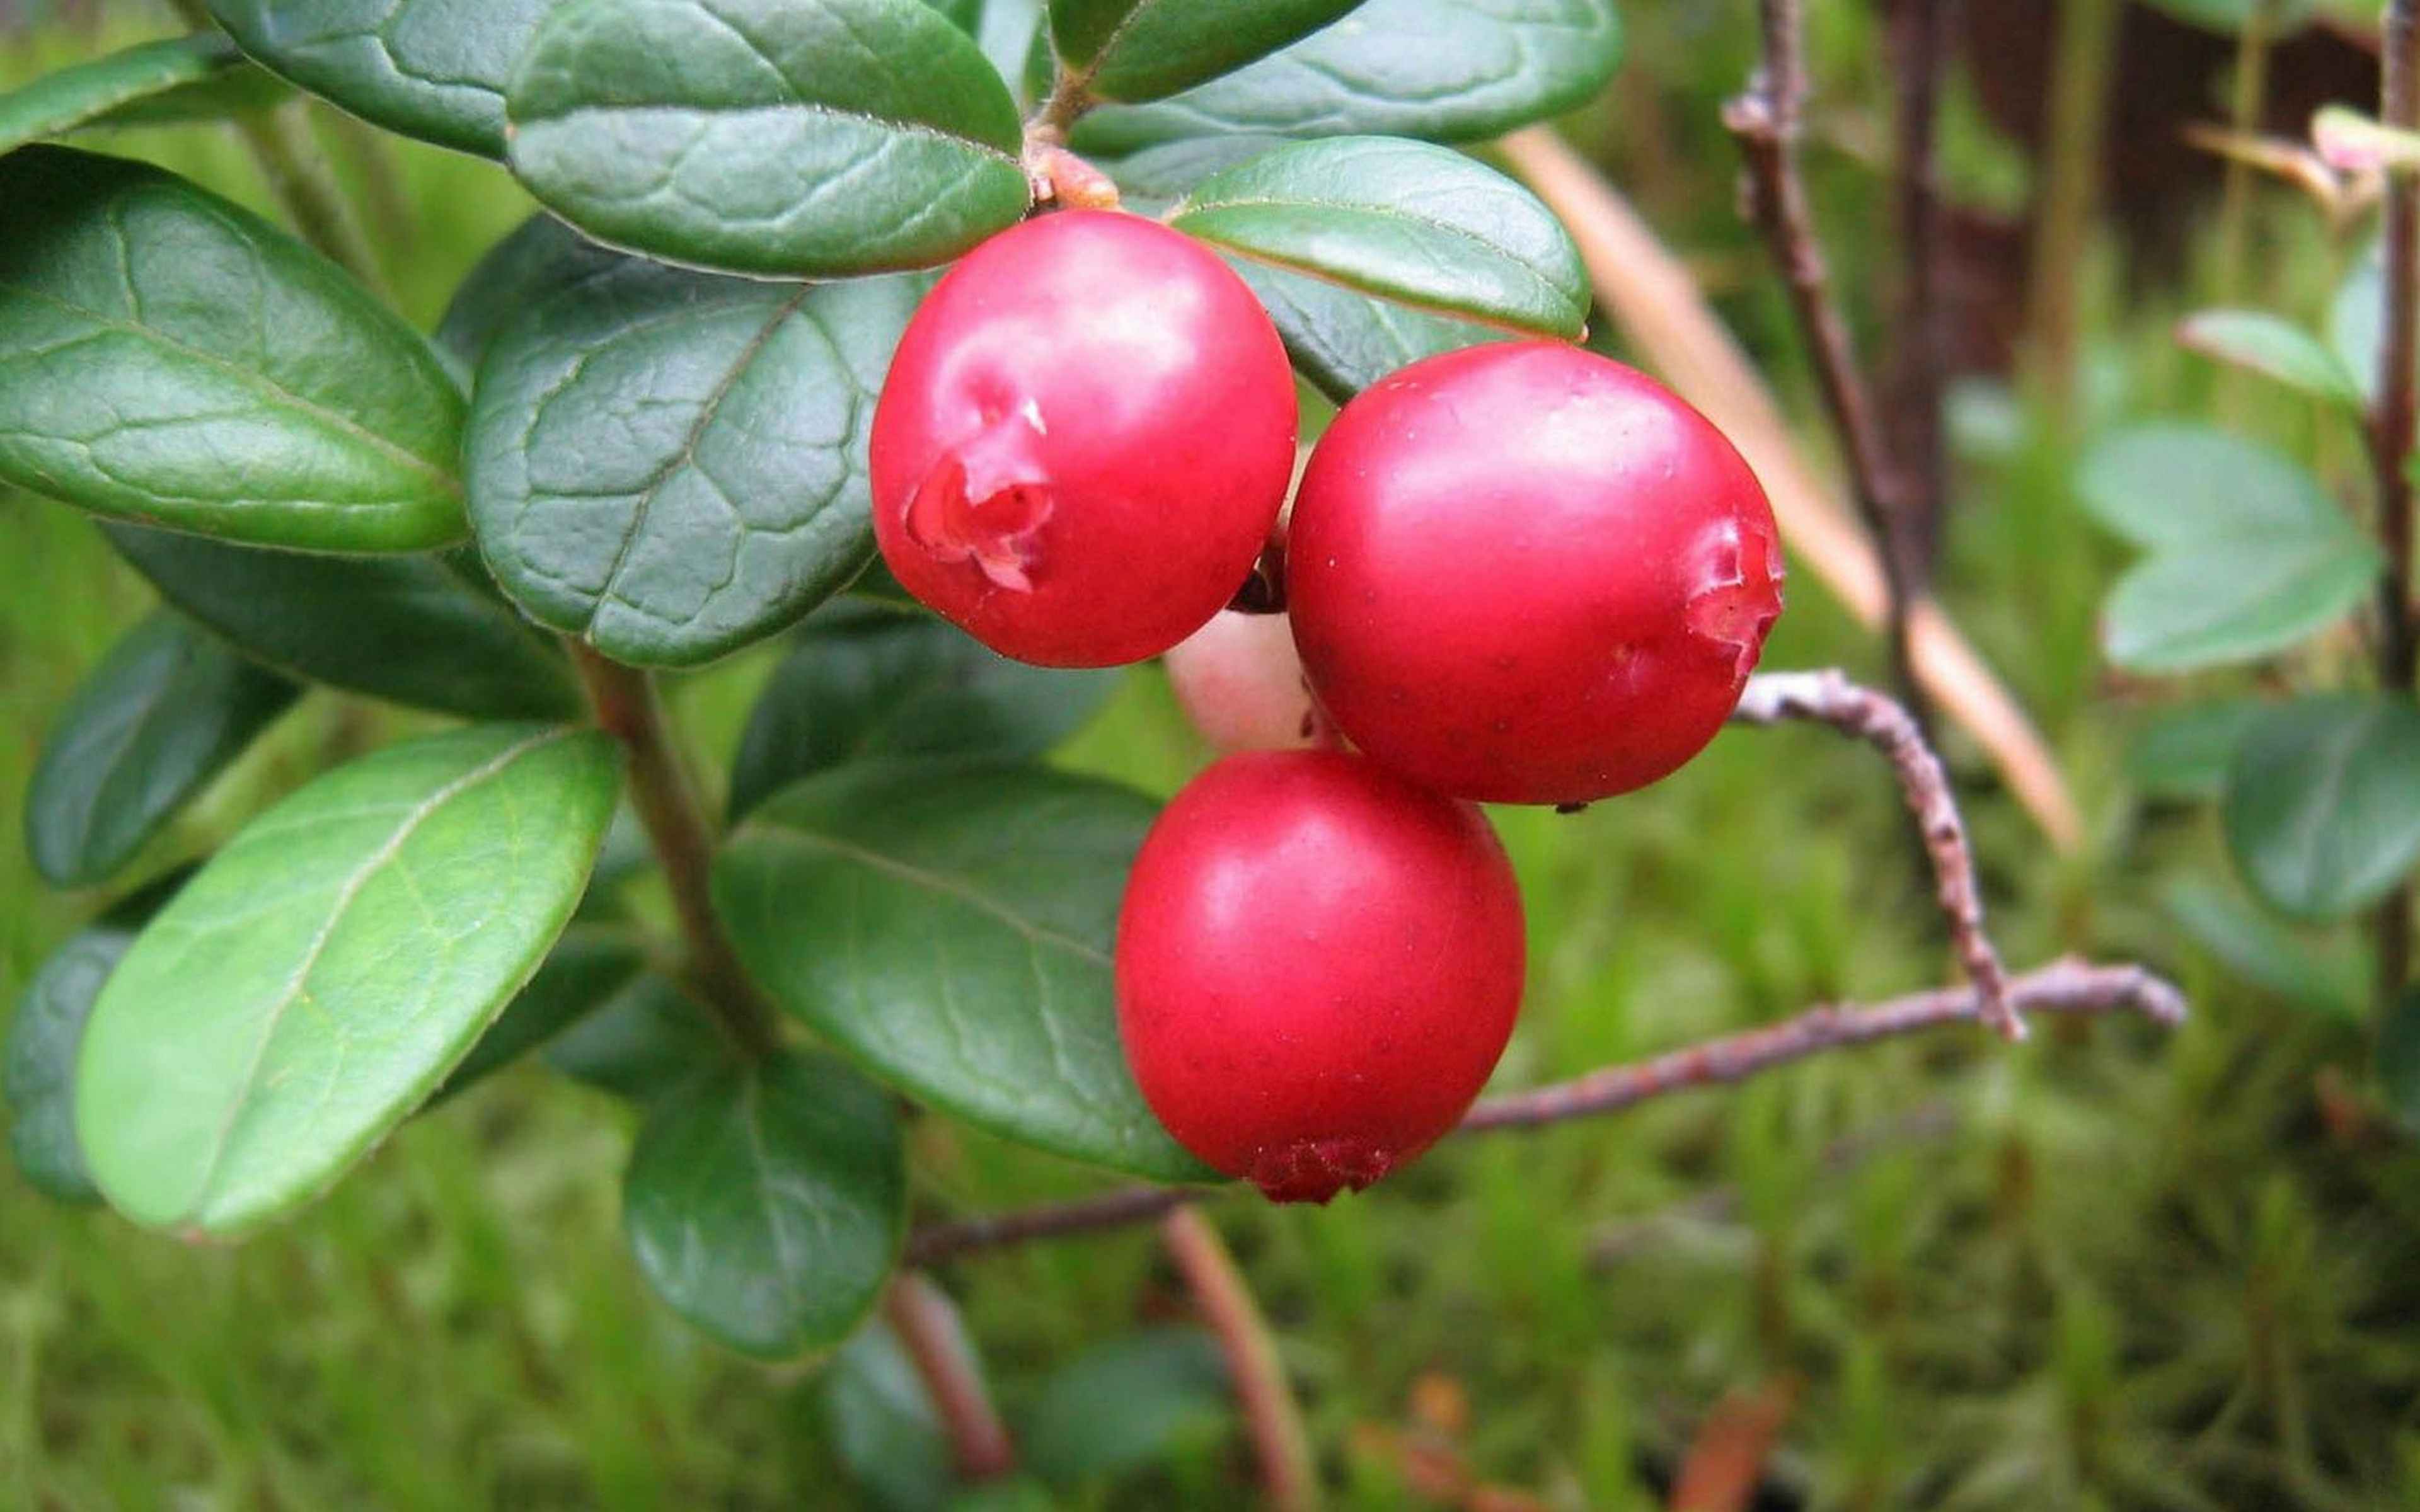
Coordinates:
x,y
929,1330
1919,358
1830,698
2392,423
2066,987
1279,1440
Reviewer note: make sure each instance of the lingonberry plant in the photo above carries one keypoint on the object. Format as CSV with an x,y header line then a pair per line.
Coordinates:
x,y
675,415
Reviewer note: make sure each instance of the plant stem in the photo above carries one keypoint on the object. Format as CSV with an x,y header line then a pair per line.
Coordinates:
x,y
2081,61
1288,1471
2391,429
628,708
1920,358
928,1327
2234,201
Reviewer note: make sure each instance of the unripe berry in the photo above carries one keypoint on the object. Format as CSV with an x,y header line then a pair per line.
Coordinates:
x,y
1318,964
1083,442
1240,683
1522,573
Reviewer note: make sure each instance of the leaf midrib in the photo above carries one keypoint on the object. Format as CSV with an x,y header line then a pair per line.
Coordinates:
x,y
937,882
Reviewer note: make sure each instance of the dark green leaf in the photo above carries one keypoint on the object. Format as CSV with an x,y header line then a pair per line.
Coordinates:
x,y
1122,1405
1151,181
2273,348
767,1204
422,630
2325,980
541,256
882,1427
647,1040
1403,220
950,925
162,714
2248,554
807,138
38,1060
589,966
431,69
1344,342
315,981
2322,804
670,464
165,356
2183,752
2399,1060
183,77
868,681
1138,50
1444,70
1017,44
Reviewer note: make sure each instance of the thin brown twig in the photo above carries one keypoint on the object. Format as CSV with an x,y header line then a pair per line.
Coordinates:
x,y
1766,120
1829,698
1919,356
1279,1441
928,1329
2392,422
2066,987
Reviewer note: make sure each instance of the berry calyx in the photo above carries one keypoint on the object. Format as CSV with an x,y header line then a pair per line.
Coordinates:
x,y
1522,573
1083,442
1240,684
1318,964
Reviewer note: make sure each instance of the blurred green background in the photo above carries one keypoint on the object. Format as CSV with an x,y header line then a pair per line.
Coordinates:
x,y
2112,1269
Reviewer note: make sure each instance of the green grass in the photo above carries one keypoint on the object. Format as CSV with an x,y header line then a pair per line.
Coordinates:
x,y
2110,1269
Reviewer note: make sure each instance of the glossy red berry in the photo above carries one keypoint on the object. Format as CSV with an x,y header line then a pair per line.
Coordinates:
x,y
1522,573
1240,684
1083,442
1318,964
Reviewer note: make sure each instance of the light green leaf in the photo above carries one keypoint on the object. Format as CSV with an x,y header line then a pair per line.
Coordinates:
x,y
767,1204
182,78
590,966
868,681
2249,555
1444,70
642,1044
948,924
2263,343
2183,752
427,631
165,356
881,1424
804,138
724,503
165,710
1138,50
314,982
2357,317
2323,807
1125,1404
431,69
2323,978
1402,221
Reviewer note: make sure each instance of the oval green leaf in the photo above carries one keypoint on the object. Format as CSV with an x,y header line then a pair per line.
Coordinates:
x,y
2183,753
1443,70
590,965
314,982
1138,50
435,69
537,257
950,925
2263,343
881,1427
2320,976
864,682
805,138
182,78
2323,807
165,710
1125,1404
1403,220
426,632
729,502
165,356
768,1203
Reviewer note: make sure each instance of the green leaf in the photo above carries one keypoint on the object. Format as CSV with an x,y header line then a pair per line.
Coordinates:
x,y
670,465
2323,807
2273,348
165,710
2330,981
1151,181
165,356
767,1204
2399,1060
38,1058
426,632
950,925
182,78
2183,752
1138,50
1018,1493
2249,555
1444,70
2357,319
540,256
1403,220
645,1042
589,966
431,69
866,682
1125,1404
881,1424
807,138
314,982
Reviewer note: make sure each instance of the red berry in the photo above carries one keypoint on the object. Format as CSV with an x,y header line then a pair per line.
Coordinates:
x,y
1318,964
1084,440
1524,574
1239,682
